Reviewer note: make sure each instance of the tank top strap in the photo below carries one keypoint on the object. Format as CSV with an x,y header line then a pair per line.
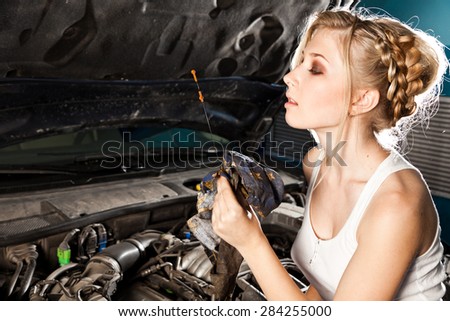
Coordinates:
x,y
393,163
315,171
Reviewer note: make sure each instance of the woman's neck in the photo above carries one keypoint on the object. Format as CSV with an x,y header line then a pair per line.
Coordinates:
x,y
353,154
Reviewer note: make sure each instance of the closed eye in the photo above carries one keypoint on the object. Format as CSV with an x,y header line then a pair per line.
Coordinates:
x,y
315,71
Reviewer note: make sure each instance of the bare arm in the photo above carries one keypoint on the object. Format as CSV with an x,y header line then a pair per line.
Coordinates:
x,y
312,294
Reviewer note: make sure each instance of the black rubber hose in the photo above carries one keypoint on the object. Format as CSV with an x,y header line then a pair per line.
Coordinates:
x,y
130,251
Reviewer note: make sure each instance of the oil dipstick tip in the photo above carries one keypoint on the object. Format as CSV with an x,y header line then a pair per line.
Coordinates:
x,y
194,75
200,95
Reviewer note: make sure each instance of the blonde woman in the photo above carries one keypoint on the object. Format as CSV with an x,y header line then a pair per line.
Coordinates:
x,y
371,230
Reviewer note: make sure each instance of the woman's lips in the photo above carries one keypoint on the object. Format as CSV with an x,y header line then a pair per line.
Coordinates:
x,y
290,103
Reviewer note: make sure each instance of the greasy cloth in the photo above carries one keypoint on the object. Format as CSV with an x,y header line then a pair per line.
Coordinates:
x,y
257,188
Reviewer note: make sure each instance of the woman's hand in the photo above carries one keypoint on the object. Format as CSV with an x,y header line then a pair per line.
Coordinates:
x,y
231,222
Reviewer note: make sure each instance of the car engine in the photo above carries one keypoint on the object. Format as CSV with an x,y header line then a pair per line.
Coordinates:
x,y
96,262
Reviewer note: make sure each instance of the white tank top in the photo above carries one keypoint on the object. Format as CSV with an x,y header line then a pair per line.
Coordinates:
x,y
323,261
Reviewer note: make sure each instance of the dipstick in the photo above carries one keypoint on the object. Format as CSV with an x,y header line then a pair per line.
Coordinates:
x,y
202,100
200,95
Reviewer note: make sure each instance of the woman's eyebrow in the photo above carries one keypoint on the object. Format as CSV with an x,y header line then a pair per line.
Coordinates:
x,y
315,54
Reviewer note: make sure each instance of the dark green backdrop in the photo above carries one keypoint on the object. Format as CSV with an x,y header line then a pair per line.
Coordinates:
x,y
432,16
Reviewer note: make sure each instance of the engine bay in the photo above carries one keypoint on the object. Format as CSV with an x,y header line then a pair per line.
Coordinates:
x,y
136,255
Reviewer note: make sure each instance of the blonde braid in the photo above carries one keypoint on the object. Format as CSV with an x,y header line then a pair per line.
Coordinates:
x,y
402,59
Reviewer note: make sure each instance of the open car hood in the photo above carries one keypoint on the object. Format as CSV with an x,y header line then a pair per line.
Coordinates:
x,y
69,65
38,108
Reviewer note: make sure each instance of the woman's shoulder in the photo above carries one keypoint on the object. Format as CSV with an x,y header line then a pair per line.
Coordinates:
x,y
402,205
403,192
403,186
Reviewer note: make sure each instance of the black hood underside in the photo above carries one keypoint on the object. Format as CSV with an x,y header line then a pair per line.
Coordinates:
x,y
72,65
151,39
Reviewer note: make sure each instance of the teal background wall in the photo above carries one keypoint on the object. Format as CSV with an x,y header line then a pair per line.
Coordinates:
x,y
432,16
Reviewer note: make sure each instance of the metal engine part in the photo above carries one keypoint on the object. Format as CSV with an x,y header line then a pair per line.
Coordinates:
x,y
148,265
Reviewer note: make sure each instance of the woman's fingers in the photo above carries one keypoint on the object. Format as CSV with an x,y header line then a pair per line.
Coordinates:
x,y
228,205
226,208
220,205
230,220
224,189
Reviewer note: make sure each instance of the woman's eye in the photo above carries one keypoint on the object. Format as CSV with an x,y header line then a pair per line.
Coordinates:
x,y
315,71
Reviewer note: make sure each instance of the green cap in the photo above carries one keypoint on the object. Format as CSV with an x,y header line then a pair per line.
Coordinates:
x,y
63,256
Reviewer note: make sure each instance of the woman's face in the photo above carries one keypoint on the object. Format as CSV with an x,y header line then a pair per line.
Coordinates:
x,y
316,87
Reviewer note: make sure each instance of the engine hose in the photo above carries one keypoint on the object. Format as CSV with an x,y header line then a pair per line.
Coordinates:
x,y
18,255
169,285
64,251
26,281
15,277
154,269
89,236
39,291
102,236
154,260
130,251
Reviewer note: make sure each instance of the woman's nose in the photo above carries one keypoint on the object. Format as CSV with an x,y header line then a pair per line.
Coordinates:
x,y
288,79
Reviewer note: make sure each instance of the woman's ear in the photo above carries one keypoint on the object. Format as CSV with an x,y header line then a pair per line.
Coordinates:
x,y
364,101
